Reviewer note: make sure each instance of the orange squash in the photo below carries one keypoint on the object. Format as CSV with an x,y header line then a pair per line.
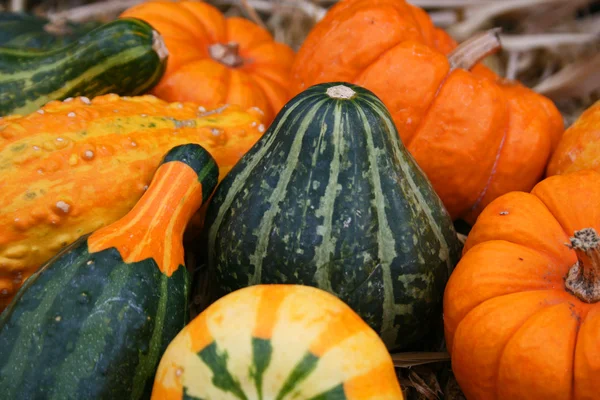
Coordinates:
x,y
522,308
579,147
75,166
475,135
215,60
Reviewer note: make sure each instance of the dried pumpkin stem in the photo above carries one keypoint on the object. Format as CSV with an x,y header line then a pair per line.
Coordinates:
x,y
473,50
583,279
227,54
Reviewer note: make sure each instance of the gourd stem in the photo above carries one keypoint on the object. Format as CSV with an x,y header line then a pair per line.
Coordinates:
x,y
583,279
474,49
226,54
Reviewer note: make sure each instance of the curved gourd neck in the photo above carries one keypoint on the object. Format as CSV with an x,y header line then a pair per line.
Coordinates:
x,y
154,227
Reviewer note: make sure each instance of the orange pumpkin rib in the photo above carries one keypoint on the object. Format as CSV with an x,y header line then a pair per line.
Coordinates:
x,y
210,18
202,81
170,19
519,218
526,130
587,361
572,199
497,268
538,358
246,33
409,96
476,353
242,87
481,130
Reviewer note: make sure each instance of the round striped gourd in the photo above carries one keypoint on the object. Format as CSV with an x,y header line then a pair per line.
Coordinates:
x,y
277,342
94,321
329,197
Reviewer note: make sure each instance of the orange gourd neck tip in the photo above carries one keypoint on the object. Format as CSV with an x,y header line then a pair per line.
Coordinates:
x,y
155,225
583,279
474,49
227,54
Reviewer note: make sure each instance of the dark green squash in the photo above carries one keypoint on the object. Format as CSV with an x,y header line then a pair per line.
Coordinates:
x,y
95,320
27,31
125,56
329,197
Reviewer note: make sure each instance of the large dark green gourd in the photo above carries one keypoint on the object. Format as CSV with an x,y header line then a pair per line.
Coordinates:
x,y
125,56
329,197
27,31
95,320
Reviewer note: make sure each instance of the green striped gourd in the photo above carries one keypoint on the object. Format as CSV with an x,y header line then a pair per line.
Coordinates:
x,y
27,31
125,57
330,197
94,321
277,342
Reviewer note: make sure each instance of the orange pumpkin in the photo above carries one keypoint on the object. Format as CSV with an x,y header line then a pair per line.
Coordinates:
x,y
215,60
522,308
475,135
579,147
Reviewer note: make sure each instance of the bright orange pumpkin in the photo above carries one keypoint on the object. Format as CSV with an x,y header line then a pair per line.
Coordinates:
x,y
522,308
215,60
579,147
475,135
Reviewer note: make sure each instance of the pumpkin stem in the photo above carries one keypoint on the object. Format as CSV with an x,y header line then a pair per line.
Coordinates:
x,y
227,54
474,49
583,279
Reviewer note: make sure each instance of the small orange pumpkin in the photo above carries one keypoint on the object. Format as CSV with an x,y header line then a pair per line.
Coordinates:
x,y
215,60
475,135
579,148
522,308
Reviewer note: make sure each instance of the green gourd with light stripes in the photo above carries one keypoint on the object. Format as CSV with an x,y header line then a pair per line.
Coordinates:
x,y
329,197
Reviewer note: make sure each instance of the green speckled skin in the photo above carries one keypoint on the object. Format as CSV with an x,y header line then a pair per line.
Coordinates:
x,y
330,197
26,31
80,327
118,57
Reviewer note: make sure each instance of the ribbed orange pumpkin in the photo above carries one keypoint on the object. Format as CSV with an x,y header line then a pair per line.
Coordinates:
x,y
522,308
215,60
579,147
475,135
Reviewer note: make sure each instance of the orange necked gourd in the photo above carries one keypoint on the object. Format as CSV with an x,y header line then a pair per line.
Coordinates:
x,y
475,135
579,147
94,321
522,308
215,60
277,342
75,166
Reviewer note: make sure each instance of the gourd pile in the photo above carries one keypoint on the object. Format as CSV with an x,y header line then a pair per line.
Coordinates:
x,y
319,190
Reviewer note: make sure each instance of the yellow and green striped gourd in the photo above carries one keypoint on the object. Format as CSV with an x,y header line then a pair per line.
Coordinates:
x,y
277,342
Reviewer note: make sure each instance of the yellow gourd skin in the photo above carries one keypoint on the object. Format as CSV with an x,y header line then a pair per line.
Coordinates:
x,y
74,166
277,341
